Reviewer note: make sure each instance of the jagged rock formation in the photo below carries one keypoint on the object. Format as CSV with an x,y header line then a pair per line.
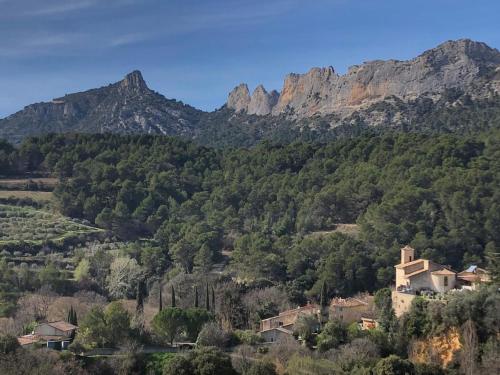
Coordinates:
x,y
260,103
471,66
239,98
444,89
128,106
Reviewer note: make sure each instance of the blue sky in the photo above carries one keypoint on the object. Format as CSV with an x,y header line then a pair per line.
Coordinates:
x,y
197,51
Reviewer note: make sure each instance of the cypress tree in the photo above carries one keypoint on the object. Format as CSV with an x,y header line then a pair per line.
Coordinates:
x,y
196,297
213,299
72,318
139,298
160,301
173,296
207,300
323,300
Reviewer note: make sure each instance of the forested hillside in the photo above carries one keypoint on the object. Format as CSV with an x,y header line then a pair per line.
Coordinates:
x,y
438,193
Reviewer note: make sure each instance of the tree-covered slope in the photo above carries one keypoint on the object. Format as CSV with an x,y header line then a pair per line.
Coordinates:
x,y
438,193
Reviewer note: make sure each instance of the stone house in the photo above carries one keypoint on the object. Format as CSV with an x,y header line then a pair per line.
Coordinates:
x,y
54,335
275,328
472,277
350,310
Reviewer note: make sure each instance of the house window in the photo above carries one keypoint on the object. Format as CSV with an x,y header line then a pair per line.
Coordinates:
x,y
446,281
410,258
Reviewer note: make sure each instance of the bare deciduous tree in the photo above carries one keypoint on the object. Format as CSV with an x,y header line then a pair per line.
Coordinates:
x,y
35,306
242,359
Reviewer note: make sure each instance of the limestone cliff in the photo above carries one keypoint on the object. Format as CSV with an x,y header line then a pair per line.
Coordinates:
x,y
469,66
259,103
239,98
262,102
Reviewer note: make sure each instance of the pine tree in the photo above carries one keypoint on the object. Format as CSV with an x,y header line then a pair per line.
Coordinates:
x,y
196,303
207,300
173,296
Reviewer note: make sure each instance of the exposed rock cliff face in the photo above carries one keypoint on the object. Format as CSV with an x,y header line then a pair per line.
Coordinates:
x,y
470,66
416,94
260,103
438,349
239,98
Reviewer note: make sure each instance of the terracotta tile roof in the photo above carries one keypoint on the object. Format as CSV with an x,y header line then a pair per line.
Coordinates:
x,y
471,278
408,247
404,265
62,326
296,311
27,340
281,329
444,272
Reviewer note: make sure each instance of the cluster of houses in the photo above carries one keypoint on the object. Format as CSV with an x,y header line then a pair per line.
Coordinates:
x,y
414,277
347,310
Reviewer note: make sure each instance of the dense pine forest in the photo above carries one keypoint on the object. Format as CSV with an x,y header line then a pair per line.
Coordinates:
x,y
438,193
287,224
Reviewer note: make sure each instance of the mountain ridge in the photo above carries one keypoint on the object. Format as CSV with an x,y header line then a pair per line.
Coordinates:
x,y
460,63
127,106
378,93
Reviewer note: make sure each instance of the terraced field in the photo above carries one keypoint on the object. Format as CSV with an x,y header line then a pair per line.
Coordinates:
x,y
44,184
37,196
32,226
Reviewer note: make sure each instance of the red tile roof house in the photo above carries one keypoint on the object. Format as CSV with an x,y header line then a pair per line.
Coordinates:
x,y
54,335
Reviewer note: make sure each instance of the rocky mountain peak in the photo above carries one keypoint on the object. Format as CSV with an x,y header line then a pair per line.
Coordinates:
x,y
462,51
259,103
262,102
239,98
134,81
